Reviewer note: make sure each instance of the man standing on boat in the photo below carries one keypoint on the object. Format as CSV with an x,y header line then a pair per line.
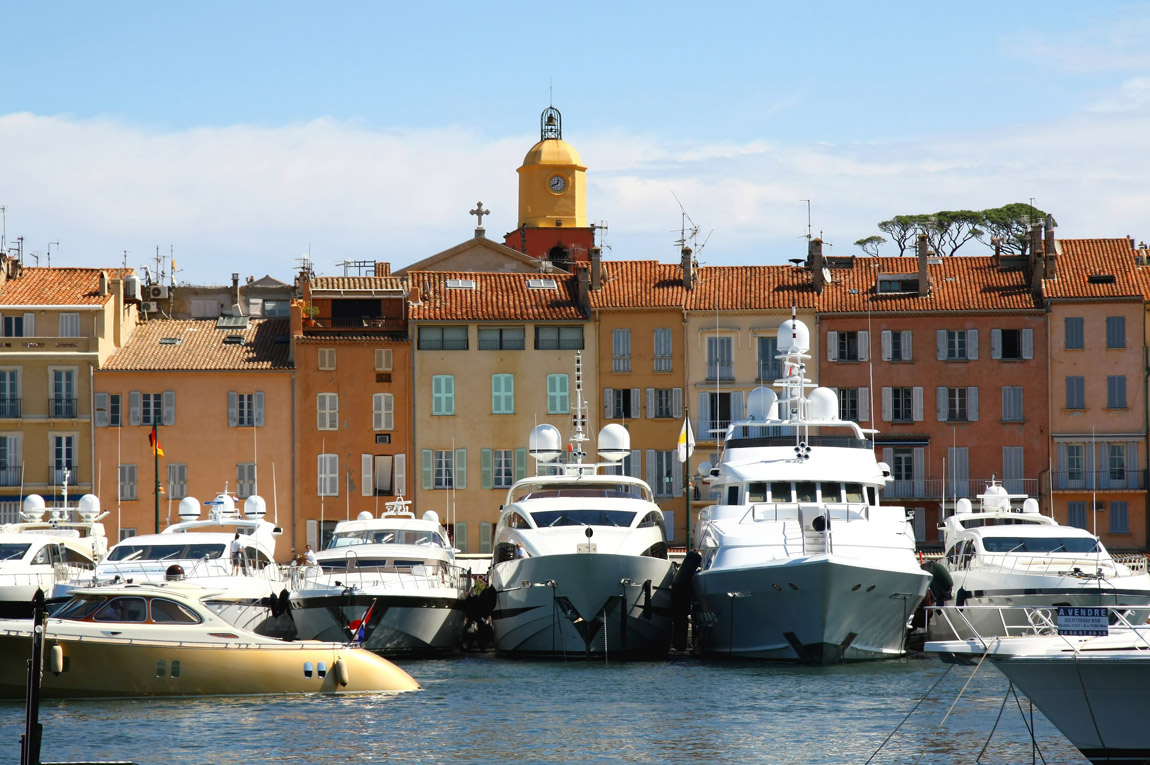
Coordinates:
x,y
236,548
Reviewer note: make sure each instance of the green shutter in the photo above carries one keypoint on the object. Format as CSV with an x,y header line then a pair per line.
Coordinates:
x,y
485,468
449,394
427,458
461,468
520,463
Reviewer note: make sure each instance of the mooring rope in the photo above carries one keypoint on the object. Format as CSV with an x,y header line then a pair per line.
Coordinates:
x,y
1029,724
945,717
911,712
1089,708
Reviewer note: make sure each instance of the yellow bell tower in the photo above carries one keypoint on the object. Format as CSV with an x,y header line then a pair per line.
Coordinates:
x,y
552,198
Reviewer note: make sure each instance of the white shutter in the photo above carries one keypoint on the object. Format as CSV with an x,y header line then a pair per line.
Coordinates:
x,y
400,474
608,398
832,346
377,411
388,411
134,407
29,325
736,406
367,474
677,402
884,339
1028,343
888,457
233,411
650,403
972,404
864,404
940,339
704,416
864,345
169,407
652,479
916,396
636,403
102,419
907,354
887,406
941,401
972,344
996,343
636,463
677,478
258,405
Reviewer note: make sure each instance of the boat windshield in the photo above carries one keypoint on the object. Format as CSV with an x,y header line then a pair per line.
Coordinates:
x,y
193,551
385,537
551,518
80,607
598,490
1041,544
13,551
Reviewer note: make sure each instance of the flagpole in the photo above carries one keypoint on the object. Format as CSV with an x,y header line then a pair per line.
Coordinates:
x,y
156,460
687,478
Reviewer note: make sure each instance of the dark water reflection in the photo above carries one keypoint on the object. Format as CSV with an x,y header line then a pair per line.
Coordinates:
x,y
481,709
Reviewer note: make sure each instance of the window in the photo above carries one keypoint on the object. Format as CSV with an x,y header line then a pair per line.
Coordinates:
x,y
663,361
902,404
1119,518
621,350
21,325
664,473
114,411
849,404
1075,462
621,401
848,346
1076,514
128,482
501,338
1012,344
177,480
9,392
245,410
955,345
902,464
64,401
956,405
663,400
1075,340
1115,331
770,368
327,411
1116,461
896,345
245,479
383,359
326,359
444,469
503,394
1075,392
720,365
502,468
383,411
69,325
1116,392
558,399
1012,403
327,475
151,409
443,395
126,533
559,338
442,339
10,462
717,411
63,450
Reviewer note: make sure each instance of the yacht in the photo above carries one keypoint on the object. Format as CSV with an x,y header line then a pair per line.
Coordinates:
x,y
1006,553
47,550
252,595
579,564
800,561
162,639
391,583
1090,683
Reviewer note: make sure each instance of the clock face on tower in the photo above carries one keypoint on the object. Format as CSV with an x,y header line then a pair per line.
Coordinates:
x,y
557,184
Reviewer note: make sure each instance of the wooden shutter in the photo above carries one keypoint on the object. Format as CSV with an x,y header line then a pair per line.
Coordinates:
x,y
427,468
134,407
887,405
367,475
233,409
996,343
884,341
169,407
832,346
941,401
972,344
258,406
460,476
485,469
864,345
400,482
1028,343
972,404
101,419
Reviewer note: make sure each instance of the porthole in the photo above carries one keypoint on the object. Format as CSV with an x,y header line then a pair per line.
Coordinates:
x,y
793,586
778,588
856,588
868,589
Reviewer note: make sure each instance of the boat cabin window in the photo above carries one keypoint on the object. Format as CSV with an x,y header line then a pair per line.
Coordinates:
x,y
517,521
123,609
12,551
193,551
831,492
871,497
854,492
651,519
75,557
47,554
584,489
780,492
805,491
385,537
1040,544
551,518
756,492
170,612
80,607
732,495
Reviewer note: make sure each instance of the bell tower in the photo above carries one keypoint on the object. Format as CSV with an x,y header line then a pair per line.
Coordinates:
x,y
552,199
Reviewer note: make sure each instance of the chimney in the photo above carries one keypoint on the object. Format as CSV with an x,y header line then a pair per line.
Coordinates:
x,y
815,263
923,278
585,289
596,269
383,269
687,263
103,289
1050,248
1037,262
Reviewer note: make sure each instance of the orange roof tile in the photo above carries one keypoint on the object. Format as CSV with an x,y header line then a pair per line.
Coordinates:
x,y
58,286
638,284
748,288
358,284
1079,259
496,296
201,347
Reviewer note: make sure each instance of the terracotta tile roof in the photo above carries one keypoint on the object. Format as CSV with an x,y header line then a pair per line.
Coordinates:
x,y
357,284
1079,259
740,288
497,296
957,284
638,284
202,347
58,286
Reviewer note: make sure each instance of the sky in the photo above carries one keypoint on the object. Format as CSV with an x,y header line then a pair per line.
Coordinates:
x,y
237,137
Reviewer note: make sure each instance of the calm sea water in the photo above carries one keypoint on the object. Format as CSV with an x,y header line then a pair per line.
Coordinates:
x,y
486,710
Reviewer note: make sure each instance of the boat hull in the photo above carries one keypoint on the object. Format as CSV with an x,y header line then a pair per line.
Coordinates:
x,y
98,668
817,610
400,625
578,606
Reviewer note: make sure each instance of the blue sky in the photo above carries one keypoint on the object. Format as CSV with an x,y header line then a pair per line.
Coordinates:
x,y
240,135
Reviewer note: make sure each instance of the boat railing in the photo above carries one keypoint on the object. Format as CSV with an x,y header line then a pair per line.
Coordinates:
x,y
960,623
418,577
199,569
1040,565
25,579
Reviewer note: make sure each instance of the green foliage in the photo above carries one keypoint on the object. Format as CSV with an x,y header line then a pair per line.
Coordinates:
x,y
870,244
948,230
1010,224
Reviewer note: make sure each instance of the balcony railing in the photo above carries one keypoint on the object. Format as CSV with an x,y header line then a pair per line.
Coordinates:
x,y
1080,480
621,364
63,407
366,322
933,488
57,470
427,344
770,370
663,364
10,476
10,407
720,371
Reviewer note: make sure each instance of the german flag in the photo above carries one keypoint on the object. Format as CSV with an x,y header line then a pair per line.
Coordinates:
x,y
154,442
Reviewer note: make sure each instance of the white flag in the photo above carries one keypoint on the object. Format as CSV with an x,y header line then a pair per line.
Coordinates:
x,y
686,441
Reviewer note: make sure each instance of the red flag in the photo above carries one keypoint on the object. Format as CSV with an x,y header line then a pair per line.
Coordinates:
x,y
359,626
154,442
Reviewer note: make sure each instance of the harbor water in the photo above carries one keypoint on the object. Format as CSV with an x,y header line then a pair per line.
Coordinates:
x,y
483,709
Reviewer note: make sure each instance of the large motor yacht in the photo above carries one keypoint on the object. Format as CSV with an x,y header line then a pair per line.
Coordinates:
x,y
390,583
48,550
799,559
1007,553
579,566
162,639
251,595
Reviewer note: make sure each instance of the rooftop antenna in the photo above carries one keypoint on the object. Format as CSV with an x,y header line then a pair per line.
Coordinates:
x,y
689,234
808,236
50,252
126,258
3,230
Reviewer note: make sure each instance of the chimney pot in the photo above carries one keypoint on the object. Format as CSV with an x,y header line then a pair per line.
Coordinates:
x,y
596,269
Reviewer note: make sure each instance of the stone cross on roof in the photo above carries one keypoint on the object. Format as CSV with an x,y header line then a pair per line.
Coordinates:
x,y
479,212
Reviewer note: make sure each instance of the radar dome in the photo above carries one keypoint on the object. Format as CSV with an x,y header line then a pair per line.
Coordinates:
x,y
223,506
431,516
364,515
762,405
255,507
545,443
995,498
962,507
614,442
34,507
823,404
794,336
189,509
88,507
1030,505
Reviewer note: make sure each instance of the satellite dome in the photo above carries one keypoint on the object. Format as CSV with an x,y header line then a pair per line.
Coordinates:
x,y
545,443
995,498
823,404
224,506
963,506
762,405
794,336
88,507
431,516
174,573
34,507
364,515
189,509
614,442
1030,505
255,507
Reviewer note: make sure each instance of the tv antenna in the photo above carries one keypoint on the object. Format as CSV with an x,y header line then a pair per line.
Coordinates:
x,y
50,252
689,233
808,234
3,230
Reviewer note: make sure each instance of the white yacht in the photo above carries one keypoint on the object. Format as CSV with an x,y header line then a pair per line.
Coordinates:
x,y
579,566
252,595
48,550
799,559
1090,683
390,583
1006,553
